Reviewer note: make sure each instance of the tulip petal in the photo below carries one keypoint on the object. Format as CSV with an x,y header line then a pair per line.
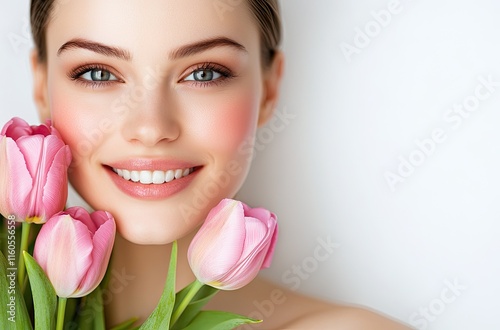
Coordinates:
x,y
243,274
31,155
55,191
77,212
272,244
261,213
99,218
263,245
103,241
68,248
5,180
233,224
15,128
13,165
31,148
258,212
74,257
254,259
256,231
251,259
219,243
41,250
43,130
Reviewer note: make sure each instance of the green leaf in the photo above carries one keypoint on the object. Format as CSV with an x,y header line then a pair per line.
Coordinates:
x,y
91,314
201,298
160,318
44,295
215,320
127,325
16,315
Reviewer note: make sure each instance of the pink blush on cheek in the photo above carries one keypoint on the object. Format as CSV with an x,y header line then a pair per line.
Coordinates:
x,y
74,127
64,119
229,126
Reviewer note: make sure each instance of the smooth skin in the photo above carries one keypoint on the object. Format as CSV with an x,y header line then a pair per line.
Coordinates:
x,y
171,82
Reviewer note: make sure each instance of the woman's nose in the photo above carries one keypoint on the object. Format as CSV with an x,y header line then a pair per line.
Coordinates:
x,y
151,119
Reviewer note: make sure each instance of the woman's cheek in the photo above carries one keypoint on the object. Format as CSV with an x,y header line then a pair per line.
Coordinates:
x,y
228,124
78,122
64,116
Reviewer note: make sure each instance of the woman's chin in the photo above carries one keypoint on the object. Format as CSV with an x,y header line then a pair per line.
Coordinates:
x,y
155,232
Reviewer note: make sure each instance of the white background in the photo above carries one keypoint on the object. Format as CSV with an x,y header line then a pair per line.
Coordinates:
x,y
356,118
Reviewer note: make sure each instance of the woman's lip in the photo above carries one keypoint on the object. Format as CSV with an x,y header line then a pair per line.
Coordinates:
x,y
151,191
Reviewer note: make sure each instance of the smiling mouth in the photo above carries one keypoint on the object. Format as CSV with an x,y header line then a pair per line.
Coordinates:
x,y
156,177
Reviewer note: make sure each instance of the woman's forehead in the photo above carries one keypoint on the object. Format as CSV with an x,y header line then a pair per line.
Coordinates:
x,y
158,25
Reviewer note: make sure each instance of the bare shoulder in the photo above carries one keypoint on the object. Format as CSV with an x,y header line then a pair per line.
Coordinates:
x,y
345,318
281,308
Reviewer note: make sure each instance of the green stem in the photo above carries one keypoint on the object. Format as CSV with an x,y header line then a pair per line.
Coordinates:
x,y
24,247
197,285
61,309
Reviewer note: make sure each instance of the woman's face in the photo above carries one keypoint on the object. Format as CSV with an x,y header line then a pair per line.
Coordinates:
x,y
159,103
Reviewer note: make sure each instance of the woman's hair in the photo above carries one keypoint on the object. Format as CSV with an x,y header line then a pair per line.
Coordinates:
x,y
266,13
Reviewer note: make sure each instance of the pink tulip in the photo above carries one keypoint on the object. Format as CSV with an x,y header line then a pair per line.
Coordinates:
x,y
234,243
33,171
74,248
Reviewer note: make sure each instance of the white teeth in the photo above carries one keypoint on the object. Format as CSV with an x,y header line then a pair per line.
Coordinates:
x,y
158,177
153,177
146,177
169,176
135,176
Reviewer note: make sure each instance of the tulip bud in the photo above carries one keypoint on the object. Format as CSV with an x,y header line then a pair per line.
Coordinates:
x,y
33,171
233,244
73,248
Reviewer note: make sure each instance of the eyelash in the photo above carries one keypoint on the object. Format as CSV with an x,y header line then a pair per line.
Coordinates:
x,y
225,73
76,74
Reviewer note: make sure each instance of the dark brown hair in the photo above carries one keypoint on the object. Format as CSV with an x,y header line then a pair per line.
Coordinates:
x,y
266,13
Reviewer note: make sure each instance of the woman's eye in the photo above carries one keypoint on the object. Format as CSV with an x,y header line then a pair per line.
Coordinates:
x,y
98,75
204,75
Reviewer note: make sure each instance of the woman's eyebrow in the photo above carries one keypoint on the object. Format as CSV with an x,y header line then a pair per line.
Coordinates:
x,y
183,51
203,45
95,47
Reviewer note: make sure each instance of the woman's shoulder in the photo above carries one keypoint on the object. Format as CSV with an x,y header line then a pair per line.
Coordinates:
x,y
281,308
344,317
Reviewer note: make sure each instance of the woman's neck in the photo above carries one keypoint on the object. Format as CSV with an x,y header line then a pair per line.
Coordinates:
x,y
137,279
